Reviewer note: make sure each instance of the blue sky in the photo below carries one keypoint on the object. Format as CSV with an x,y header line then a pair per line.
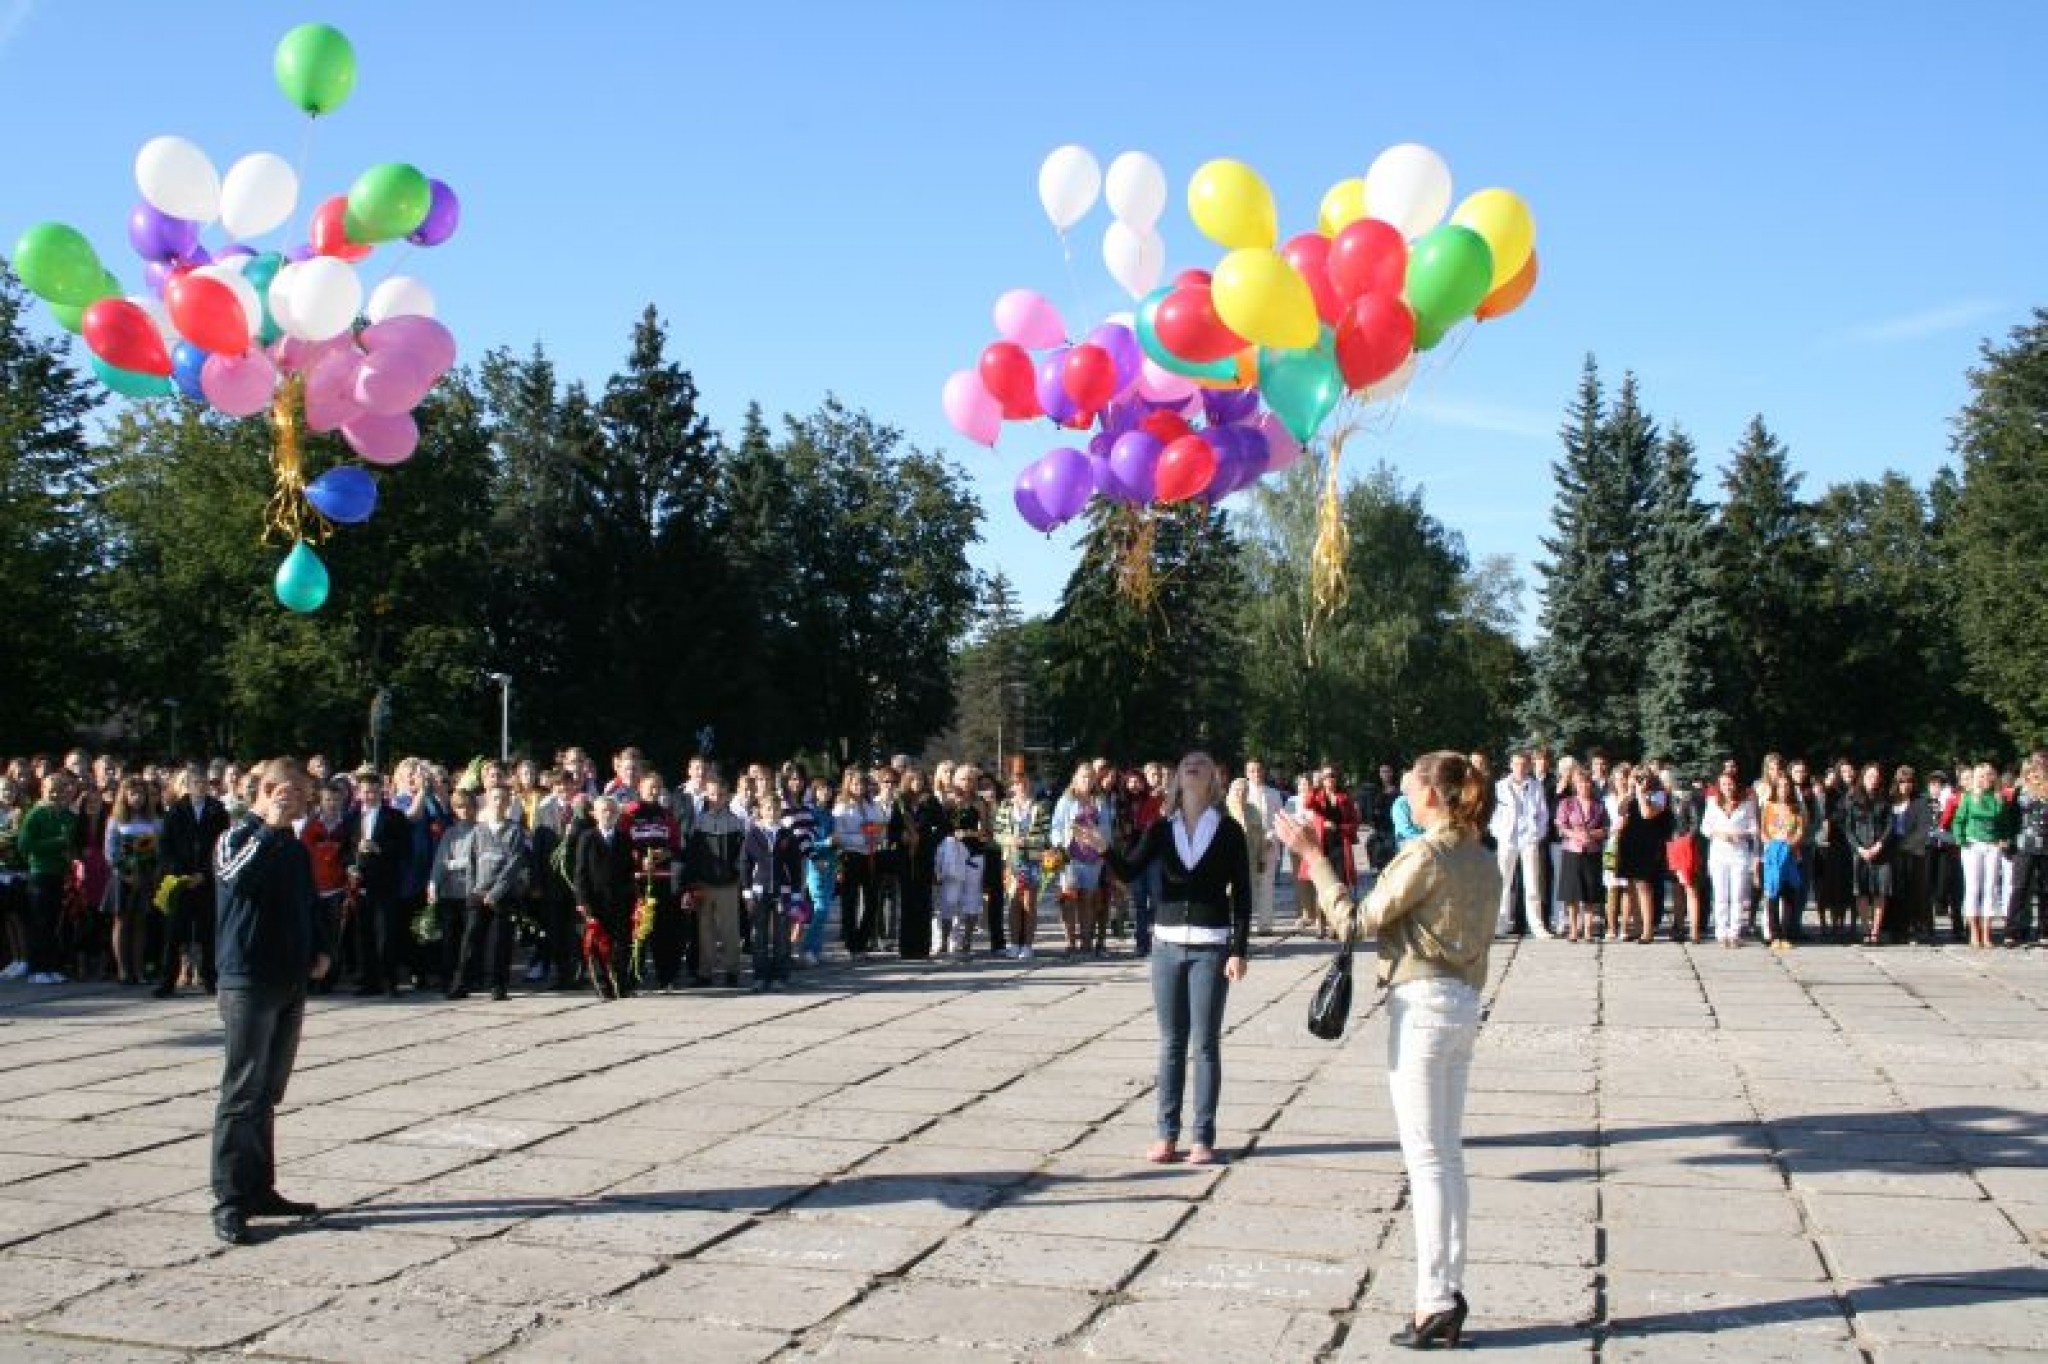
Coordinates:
x,y
1815,212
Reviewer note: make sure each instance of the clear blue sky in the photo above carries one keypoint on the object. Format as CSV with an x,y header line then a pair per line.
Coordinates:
x,y
1815,212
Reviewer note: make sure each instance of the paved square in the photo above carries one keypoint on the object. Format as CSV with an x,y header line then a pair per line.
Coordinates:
x,y
1683,1154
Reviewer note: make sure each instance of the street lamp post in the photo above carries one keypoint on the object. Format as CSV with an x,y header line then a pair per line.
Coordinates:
x,y
504,681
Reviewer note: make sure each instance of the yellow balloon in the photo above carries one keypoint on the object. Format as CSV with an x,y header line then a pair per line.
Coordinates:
x,y
1265,300
1502,219
1343,205
1233,207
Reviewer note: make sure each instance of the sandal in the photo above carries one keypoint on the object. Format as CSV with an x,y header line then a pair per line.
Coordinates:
x,y
1162,1153
1198,1154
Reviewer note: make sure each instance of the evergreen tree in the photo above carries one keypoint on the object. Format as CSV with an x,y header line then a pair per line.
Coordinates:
x,y
992,672
1764,569
1630,445
1680,619
1999,536
1578,629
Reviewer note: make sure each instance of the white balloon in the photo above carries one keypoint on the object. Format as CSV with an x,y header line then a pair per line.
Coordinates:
x,y
231,275
400,296
258,195
1135,259
325,297
1067,185
1394,384
176,178
280,297
1408,186
1136,190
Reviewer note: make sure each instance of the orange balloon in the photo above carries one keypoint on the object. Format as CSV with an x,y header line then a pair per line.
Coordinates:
x,y
1509,296
1247,372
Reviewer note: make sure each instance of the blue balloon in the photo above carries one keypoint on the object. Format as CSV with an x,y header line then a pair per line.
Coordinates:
x,y
187,360
345,494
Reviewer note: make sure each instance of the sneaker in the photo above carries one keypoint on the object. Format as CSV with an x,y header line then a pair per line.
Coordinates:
x,y
810,958
1024,953
15,971
537,971
47,978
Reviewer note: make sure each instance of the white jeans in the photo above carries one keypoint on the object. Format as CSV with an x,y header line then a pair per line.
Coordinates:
x,y
1531,860
1429,1059
1980,882
1262,892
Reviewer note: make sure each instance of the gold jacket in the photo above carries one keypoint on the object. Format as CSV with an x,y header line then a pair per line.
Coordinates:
x,y
1433,908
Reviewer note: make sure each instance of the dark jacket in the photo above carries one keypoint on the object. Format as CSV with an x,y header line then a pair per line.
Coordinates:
x,y
268,931
1216,891
387,827
189,837
604,872
1909,830
771,861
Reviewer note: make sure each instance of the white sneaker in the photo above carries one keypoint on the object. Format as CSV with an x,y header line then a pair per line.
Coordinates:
x,y
1024,953
15,971
47,978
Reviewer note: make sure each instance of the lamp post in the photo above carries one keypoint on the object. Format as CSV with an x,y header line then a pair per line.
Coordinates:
x,y
504,681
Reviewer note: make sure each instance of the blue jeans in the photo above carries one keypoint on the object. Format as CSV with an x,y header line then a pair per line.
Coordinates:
x,y
1144,895
1188,990
822,885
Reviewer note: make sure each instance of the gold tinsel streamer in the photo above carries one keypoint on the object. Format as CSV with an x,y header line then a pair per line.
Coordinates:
x,y
1134,566
1329,584
289,517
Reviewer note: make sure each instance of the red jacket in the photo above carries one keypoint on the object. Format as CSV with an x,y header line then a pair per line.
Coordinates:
x,y
1336,828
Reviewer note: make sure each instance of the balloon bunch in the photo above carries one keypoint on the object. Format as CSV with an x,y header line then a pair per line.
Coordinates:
x,y
248,331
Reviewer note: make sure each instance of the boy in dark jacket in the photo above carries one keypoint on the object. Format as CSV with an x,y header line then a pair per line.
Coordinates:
x,y
772,878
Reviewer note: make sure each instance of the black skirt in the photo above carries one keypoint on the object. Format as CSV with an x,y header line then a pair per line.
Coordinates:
x,y
1579,879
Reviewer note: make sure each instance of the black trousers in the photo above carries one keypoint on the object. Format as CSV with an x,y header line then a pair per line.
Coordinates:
x,y
770,933
383,941
45,914
992,908
262,1033
2029,879
487,935
1945,885
1909,914
674,939
191,926
860,904
914,930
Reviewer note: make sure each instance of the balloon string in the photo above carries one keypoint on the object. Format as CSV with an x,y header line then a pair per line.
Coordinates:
x,y
305,159
289,517
1329,585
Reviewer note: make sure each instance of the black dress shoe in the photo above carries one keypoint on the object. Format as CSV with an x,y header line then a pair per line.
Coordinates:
x,y
1437,1330
165,990
275,1204
231,1226
500,994
456,992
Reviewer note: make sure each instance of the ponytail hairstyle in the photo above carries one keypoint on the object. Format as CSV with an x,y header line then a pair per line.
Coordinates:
x,y
1461,788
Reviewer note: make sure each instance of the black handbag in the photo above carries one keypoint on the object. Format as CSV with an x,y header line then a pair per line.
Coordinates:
x,y
1330,1009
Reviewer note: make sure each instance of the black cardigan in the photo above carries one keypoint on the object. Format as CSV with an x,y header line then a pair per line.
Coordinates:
x,y
1217,889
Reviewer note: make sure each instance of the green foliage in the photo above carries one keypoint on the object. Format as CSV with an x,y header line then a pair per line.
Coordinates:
x,y
1764,570
1682,718
992,668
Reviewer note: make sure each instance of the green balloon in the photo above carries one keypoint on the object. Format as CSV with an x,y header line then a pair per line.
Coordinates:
x,y
386,202
1156,351
70,317
129,384
1450,269
302,580
1302,387
58,265
316,68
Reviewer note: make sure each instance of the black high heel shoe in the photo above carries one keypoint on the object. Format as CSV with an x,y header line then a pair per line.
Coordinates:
x,y
1443,1328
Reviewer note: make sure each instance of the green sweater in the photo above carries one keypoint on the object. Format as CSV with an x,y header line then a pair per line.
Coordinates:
x,y
1980,818
48,839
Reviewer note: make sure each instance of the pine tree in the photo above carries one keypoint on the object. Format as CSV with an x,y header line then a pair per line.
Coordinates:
x,y
1577,625
1763,572
1630,444
990,716
1679,618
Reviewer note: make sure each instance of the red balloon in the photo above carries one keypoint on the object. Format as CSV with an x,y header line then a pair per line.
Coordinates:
x,y
328,235
1011,379
207,313
1368,257
1309,254
1374,338
1187,325
1185,469
1192,279
124,336
1165,427
1090,377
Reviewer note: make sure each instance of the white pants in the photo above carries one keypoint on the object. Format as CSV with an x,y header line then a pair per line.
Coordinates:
x,y
1980,882
1531,860
1556,870
1730,877
1262,892
1429,1059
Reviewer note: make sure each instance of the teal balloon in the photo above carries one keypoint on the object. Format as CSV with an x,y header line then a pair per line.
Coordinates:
x,y
302,580
260,271
129,384
1450,270
1302,387
1158,354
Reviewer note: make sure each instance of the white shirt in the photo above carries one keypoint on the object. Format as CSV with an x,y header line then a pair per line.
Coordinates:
x,y
1191,848
1518,812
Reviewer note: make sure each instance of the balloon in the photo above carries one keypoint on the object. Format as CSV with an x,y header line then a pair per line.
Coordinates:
x,y
1024,494
1135,259
330,389
344,494
1408,186
1067,185
157,236
1261,298
444,215
122,334
386,202
1503,222
322,295
1511,295
1368,257
261,273
330,234
1051,383
1343,205
315,67
1187,324
1029,319
259,194
177,179
1301,386
207,313
188,364
239,385
58,265
399,296
423,334
245,293
1134,465
1185,469
1165,427
392,381
1232,206
128,383
1394,384
1122,344
1065,481
382,440
1146,324
1309,254
1161,385
301,583
69,318
973,411
1136,191
1222,407
1449,273
1010,377
1376,335
1089,377
1282,449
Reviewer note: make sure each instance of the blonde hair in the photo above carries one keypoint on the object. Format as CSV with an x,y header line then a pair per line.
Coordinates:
x,y
1172,802
1460,787
1086,770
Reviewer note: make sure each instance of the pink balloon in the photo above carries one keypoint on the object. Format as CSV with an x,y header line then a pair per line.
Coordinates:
x,y
294,356
1163,386
1029,319
972,409
1282,449
392,381
239,385
329,410
434,343
382,440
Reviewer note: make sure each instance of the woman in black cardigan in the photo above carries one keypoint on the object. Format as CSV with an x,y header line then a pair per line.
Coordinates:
x,y
1200,935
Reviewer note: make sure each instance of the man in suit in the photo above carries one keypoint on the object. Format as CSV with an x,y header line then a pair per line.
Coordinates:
x,y
605,867
192,826
380,839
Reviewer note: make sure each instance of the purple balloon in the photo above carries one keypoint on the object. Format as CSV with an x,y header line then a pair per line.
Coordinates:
x,y
444,215
1099,443
1052,387
1065,482
157,274
1103,478
1134,459
432,341
301,253
1025,495
1122,344
1124,415
234,249
1226,405
156,235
